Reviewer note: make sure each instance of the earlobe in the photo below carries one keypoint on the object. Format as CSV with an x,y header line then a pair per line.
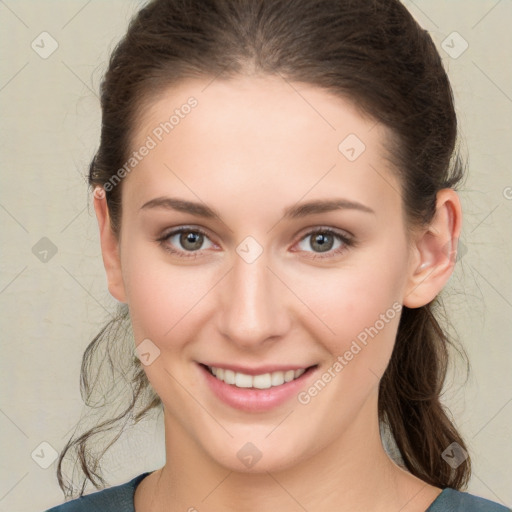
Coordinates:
x,y
435,249
109,247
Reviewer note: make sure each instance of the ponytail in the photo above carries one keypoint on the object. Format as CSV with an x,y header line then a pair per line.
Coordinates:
x,y
409,400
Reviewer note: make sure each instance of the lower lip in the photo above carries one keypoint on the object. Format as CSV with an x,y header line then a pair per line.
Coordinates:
x,y
255,400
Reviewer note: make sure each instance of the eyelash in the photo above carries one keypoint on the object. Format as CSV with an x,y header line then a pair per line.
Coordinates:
x,y
346,240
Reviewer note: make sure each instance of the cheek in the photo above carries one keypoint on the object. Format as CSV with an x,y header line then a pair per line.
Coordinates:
x,y
161,296
360,302
362,311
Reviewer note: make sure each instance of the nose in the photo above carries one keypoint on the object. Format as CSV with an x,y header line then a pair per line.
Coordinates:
x,y
252,307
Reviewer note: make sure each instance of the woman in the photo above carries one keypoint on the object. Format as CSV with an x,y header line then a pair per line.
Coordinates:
x,y
275,195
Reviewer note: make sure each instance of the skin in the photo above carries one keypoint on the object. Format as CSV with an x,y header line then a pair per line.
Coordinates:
x,y
252,147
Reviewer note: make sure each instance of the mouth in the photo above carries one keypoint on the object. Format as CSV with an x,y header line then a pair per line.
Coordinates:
x,y
264,380
255,390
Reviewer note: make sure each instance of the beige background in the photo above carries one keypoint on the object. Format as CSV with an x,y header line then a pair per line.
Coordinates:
x,y
51,310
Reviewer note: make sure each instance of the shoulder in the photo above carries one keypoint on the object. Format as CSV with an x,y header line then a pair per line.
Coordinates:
x,y
451,500
114,499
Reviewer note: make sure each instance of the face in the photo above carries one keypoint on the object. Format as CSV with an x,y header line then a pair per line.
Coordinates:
x,y
259,236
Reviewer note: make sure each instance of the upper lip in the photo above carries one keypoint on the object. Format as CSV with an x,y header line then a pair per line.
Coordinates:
x,y
259,370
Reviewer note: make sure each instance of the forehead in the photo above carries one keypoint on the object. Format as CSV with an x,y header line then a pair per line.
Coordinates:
x,y
260,134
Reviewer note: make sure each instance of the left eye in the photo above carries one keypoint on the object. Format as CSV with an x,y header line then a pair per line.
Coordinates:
x,y
324,241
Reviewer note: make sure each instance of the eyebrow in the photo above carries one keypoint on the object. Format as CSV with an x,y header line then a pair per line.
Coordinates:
x,y
181,205
322,206
292,212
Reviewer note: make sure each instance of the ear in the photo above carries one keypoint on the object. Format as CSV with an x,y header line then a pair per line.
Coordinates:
x,y
109,247
434,251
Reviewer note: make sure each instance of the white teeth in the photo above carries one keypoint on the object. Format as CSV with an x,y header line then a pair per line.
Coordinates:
x,y
277,378
289,375
242,380
229,377
263,381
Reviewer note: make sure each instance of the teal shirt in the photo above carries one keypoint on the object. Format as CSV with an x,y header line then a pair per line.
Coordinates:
x,y
120,499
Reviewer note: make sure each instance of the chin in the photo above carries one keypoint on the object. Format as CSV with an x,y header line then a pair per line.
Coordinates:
x,y
259,454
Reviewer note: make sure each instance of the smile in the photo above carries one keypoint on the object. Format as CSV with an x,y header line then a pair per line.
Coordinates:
x,y
256,390
262,381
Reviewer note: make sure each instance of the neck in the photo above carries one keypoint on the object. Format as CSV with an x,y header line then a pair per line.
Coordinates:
x,y
353,474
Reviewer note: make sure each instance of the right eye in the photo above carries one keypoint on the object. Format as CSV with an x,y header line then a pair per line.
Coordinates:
x,y
185,240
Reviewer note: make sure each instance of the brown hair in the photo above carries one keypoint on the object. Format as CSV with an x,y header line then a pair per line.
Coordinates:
x,y
370,51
